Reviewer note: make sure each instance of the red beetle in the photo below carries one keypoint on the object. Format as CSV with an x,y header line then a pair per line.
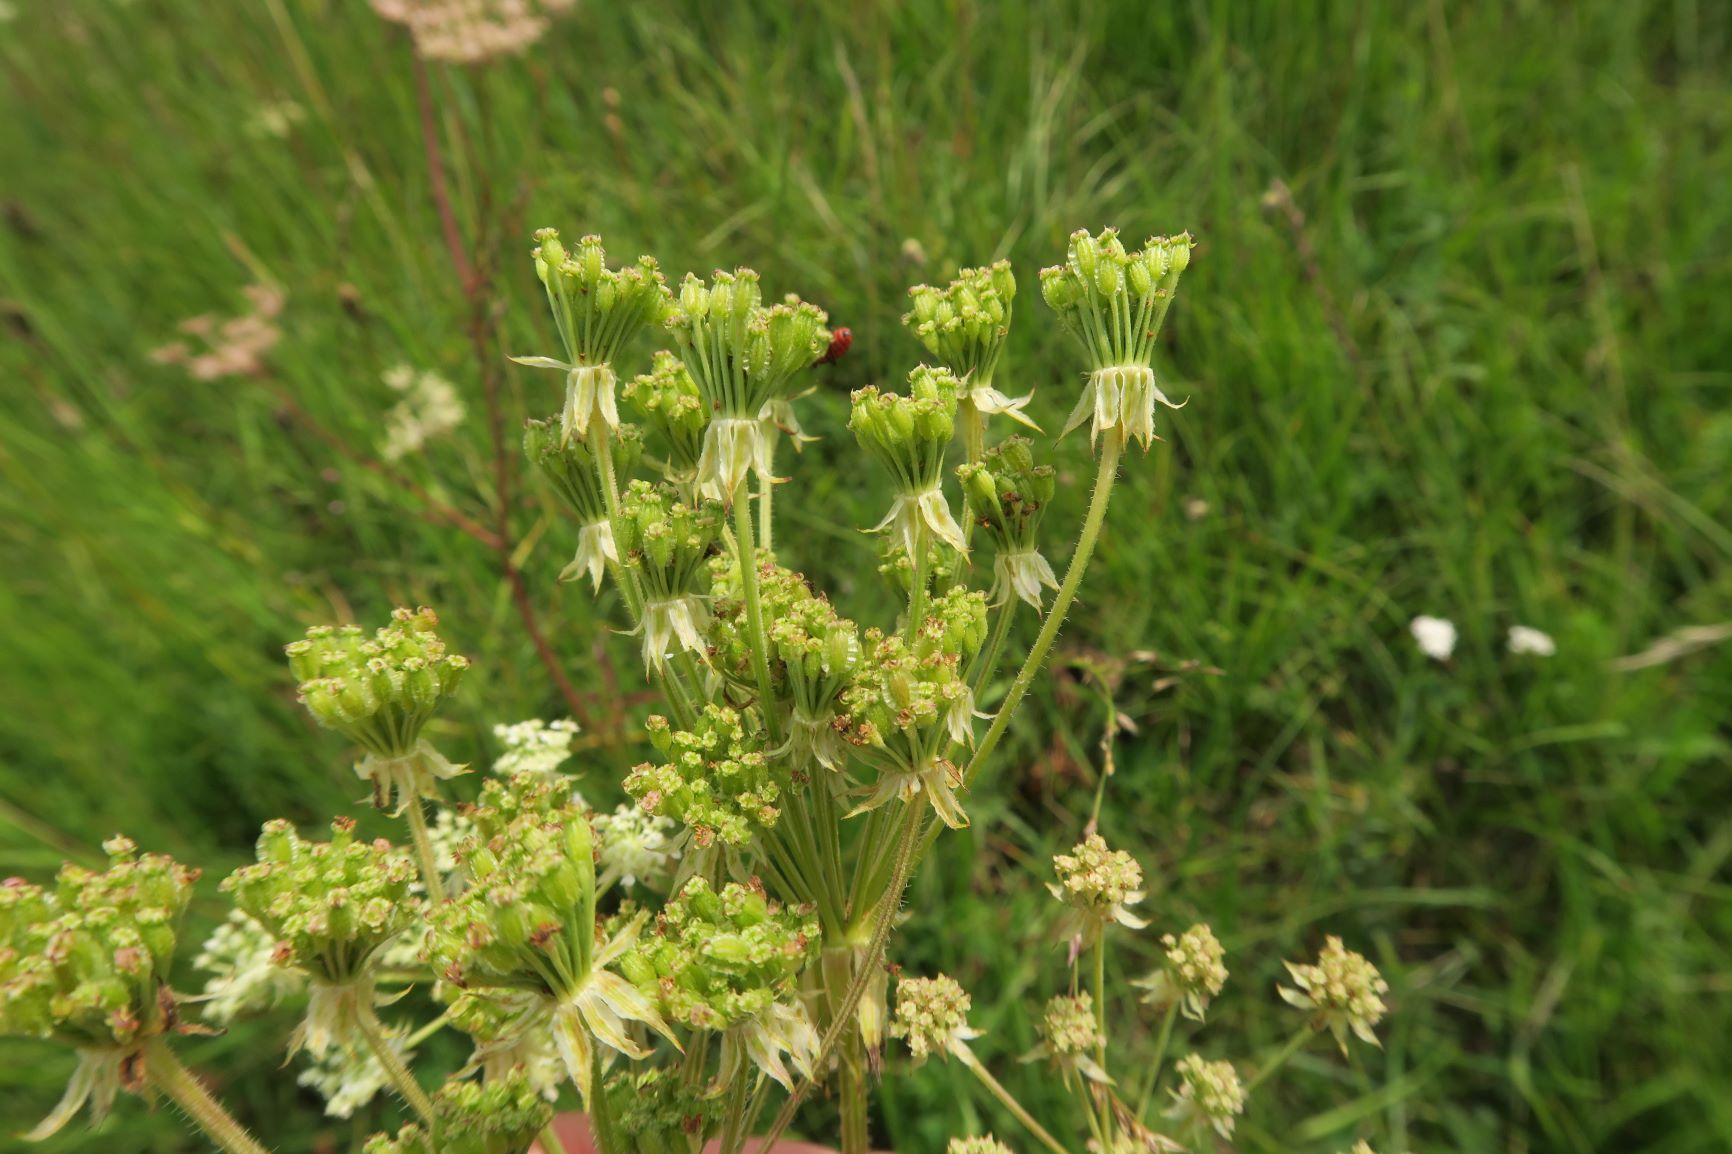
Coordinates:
x,y
840,341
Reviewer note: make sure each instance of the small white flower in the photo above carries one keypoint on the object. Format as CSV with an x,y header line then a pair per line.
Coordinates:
x,y
238,954
348,1077
534,746
635,846
430,408
1436,637
1527,639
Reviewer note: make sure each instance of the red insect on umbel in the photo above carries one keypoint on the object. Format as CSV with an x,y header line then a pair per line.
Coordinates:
x,y
840,340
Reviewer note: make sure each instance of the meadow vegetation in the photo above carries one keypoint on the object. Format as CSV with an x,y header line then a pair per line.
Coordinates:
x,y
1455,342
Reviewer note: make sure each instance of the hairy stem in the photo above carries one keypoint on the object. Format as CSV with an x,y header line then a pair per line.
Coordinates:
x,y
734,1114
395,1071
917,587
182,1087
424,851
1008,1102
1073,576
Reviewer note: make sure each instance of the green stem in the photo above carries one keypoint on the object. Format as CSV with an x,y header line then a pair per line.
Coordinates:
x,y
1100,992
986,664
734,1117
1154,1073
549,1140
165,1072
844,1014
398,1074
917,590
1073,576
851,1087
1009,1103
1305,1034
602,450
766,518
748,558
424,851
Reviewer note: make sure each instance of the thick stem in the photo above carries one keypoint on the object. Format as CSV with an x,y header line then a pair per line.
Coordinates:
x,y
873,957
183,1088
395,1071
424,851
754,610
734,1114
1073,576
856,1133
1008,1102
549,1140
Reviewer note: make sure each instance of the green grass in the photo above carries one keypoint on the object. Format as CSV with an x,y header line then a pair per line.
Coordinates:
x,y
1498,391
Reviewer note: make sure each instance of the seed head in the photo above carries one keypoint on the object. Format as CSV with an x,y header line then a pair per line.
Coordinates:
x,y
1343,989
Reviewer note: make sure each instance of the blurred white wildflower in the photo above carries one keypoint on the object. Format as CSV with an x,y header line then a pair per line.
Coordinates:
x,y
349,1077
275,119
471,31
446,836
534,746
635,846
430,408
8,12
232,348
238,955
1526,639
1436,637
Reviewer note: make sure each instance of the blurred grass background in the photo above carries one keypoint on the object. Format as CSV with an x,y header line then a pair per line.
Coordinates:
x,y
1456,341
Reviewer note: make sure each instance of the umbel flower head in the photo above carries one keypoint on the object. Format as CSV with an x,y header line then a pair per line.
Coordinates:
x,y
718,779
378,692
596,310
1192,973
1342,989
657,1112
1099,884
909,436
1113,302
965,326
523,933
668,543
87,963
576,476
332,907
634,847
666,399
744,358
908,704
730,961
932,1017
1007,495
240,956
499,1116
1209,1092
812,655
1069,1035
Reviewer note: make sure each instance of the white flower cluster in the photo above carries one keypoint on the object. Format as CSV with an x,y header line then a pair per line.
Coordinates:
x,y
238,955
534,746
635,846
430,408
349,1077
